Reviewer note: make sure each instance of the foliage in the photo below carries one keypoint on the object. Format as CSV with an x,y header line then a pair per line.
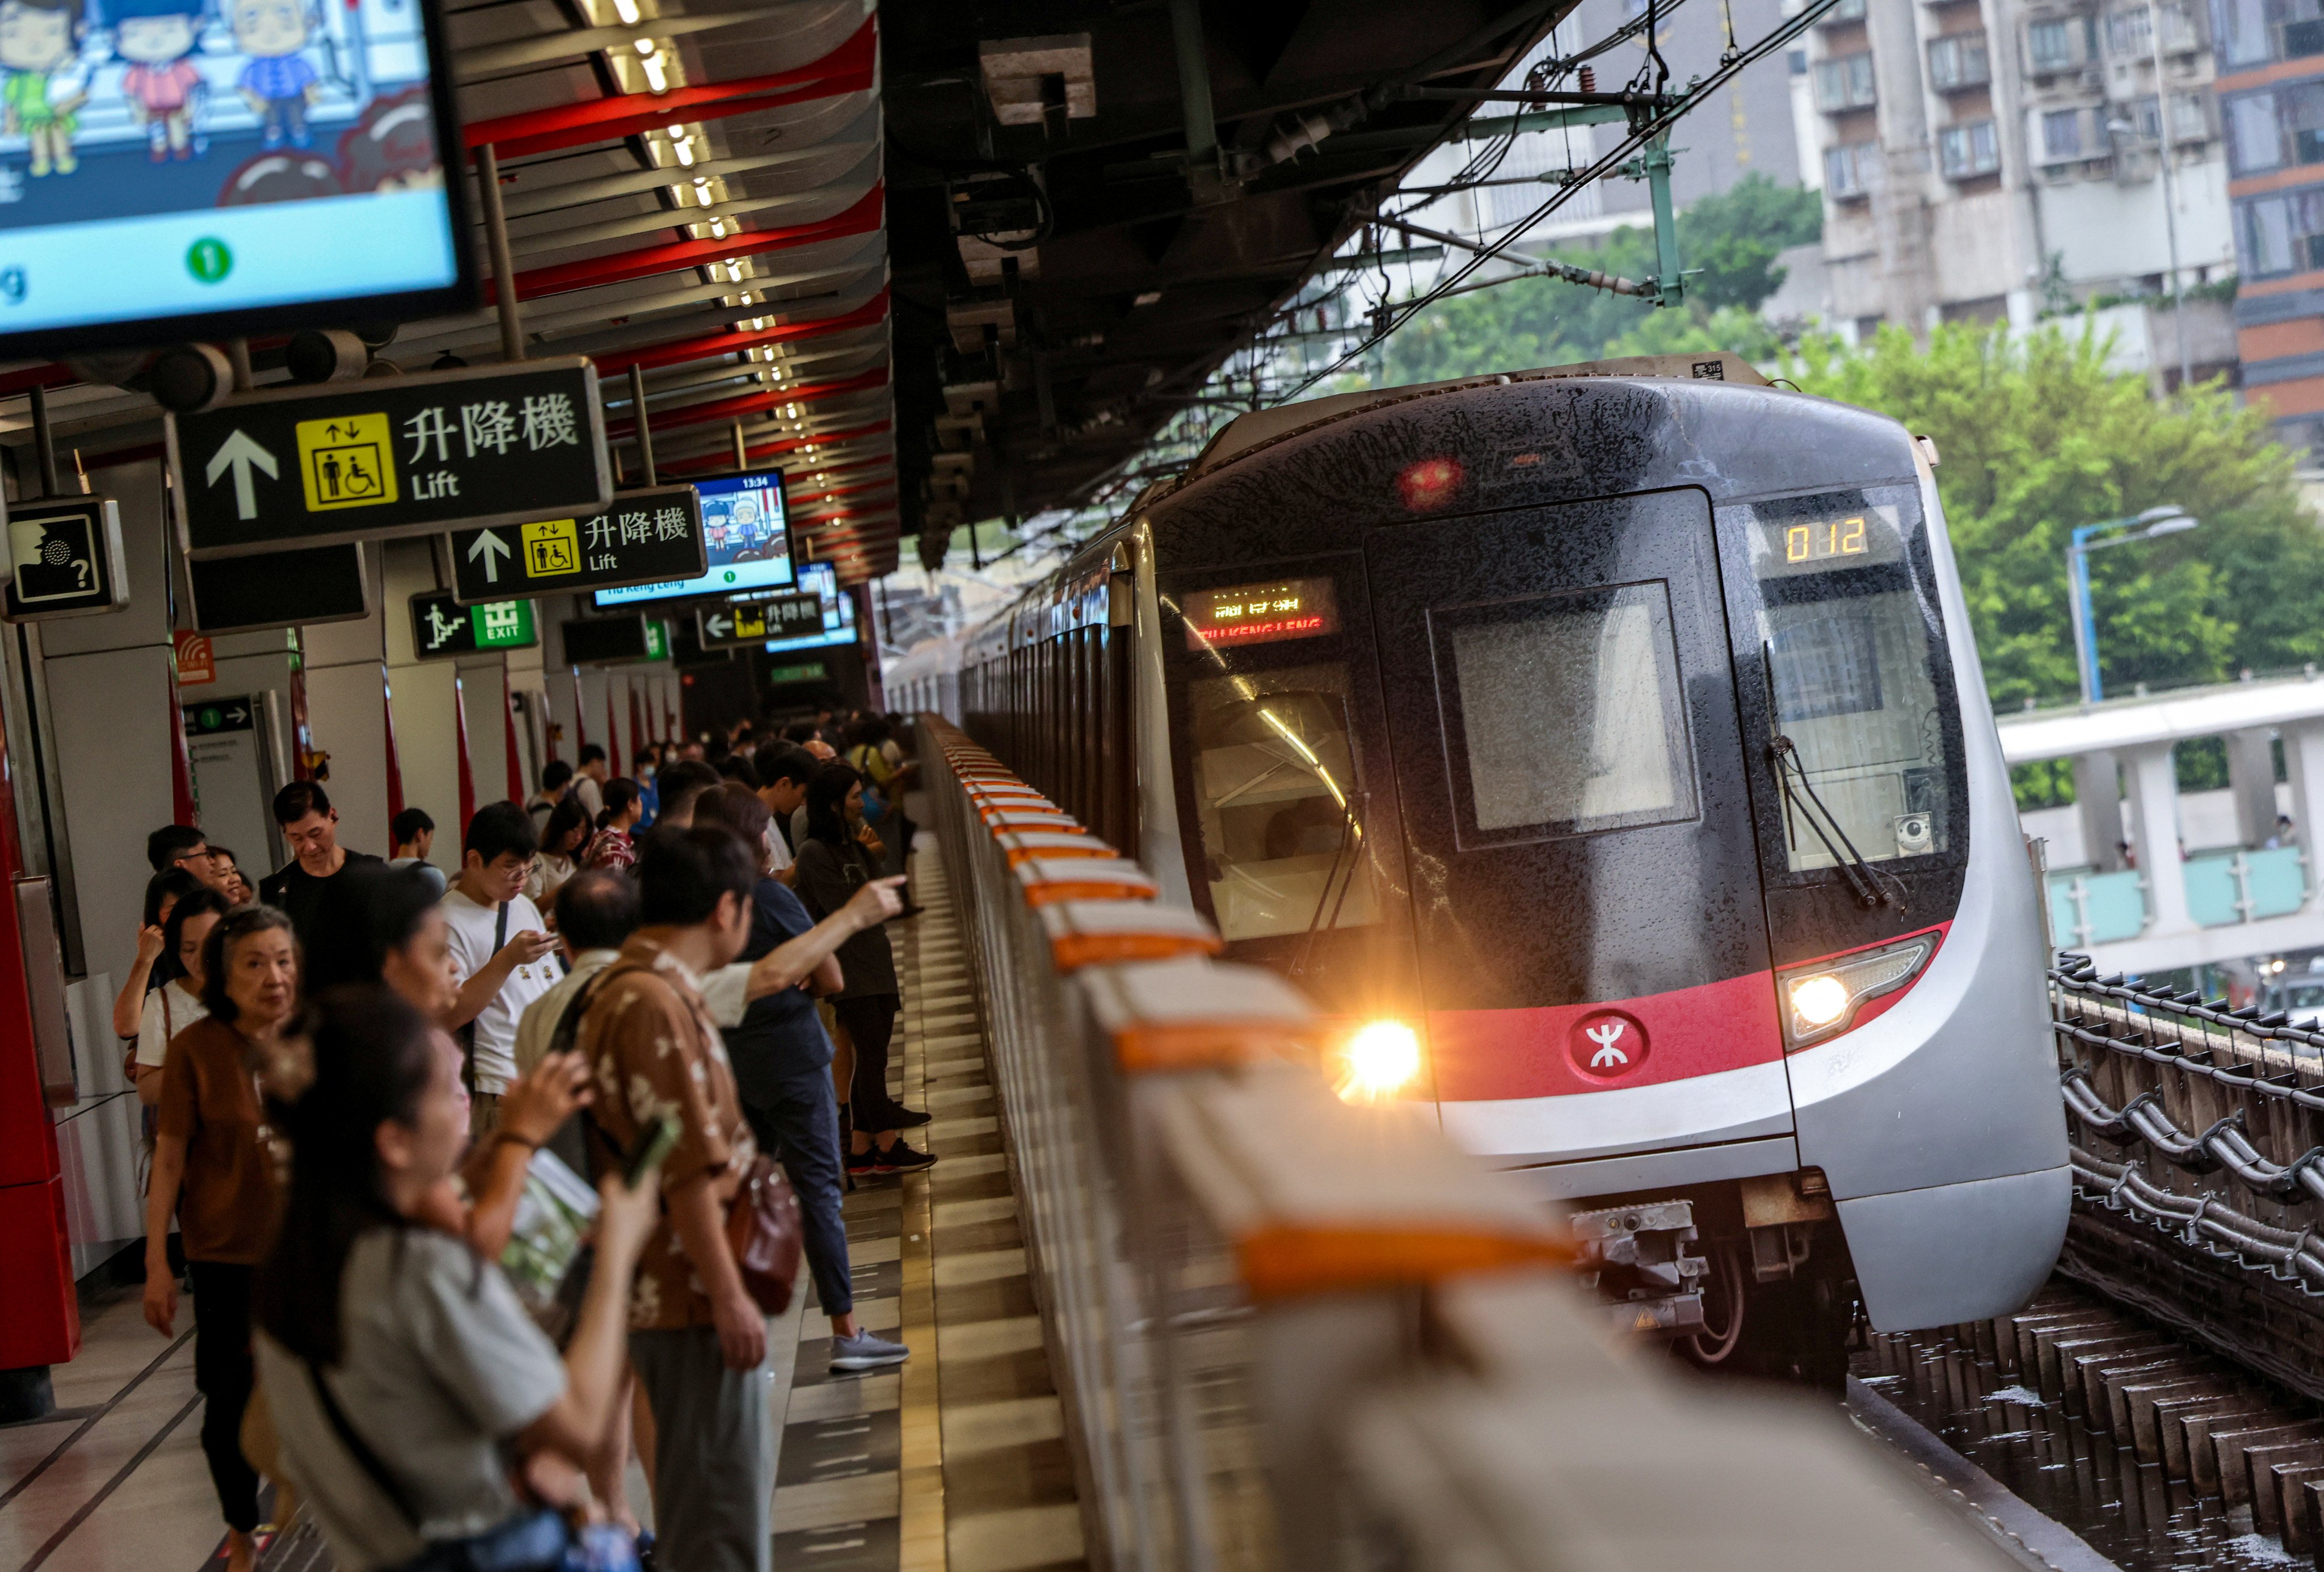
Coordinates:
x,y
1733,238
2036,437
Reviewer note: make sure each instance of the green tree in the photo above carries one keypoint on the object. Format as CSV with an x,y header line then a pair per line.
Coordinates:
x,y
2035,437
1728,243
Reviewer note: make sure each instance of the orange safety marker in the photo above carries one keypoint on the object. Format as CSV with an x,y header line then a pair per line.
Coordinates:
x,y
1022,846
1191,1013
1084,933
1044,881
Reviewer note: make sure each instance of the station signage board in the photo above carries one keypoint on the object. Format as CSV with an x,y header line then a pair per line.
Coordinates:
x,y
391,457
214,716
64,556
280,589
782,617
645,537
442,628
609,641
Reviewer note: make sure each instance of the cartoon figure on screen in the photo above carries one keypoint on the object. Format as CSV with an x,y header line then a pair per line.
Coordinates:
x,y
164,88
278,84
46,83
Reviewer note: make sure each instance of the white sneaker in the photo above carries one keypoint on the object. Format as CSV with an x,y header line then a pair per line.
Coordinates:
x,y
865,1352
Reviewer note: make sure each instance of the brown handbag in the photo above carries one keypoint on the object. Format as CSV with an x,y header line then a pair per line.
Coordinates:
x,y
763,1231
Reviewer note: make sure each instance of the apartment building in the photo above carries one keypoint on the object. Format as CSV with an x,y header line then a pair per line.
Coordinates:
x,y
1995,159
2270,89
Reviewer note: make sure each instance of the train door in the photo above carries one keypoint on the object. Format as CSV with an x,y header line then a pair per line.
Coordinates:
x,y
1562,715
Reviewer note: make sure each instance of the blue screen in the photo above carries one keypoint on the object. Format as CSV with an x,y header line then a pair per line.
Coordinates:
x,y
838,611
746,533
169,158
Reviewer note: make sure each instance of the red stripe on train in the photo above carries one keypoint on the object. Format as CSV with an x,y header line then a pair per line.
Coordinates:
x,y
1487,1055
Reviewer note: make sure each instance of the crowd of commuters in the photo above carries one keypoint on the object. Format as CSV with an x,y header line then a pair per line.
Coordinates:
x,y
358,1075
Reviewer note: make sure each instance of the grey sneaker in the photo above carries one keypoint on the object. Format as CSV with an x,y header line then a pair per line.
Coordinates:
x,y
865,1352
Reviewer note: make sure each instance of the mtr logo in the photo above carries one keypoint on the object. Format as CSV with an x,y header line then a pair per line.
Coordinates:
x,y
1607,1044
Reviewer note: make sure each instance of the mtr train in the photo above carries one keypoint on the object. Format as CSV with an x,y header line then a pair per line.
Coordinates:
x,y
1606,753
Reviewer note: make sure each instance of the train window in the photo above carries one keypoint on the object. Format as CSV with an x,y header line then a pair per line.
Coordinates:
x,y
1853,660
1563,714
1282,814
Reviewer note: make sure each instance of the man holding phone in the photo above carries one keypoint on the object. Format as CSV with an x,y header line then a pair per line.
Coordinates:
x,y
698,1339
501,952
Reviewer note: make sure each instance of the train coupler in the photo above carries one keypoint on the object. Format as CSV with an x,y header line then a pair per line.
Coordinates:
x,y
1637,1259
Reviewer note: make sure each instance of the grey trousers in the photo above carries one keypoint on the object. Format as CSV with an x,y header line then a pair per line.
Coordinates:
x,y
714,1454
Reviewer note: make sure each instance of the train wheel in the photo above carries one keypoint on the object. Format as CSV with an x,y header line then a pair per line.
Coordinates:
x,y
1796,1332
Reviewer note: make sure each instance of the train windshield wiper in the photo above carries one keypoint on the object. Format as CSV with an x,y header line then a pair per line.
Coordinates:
x,y
1788,768
1849,860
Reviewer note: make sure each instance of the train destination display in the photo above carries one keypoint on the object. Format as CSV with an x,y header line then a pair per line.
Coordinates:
x,y
1258,614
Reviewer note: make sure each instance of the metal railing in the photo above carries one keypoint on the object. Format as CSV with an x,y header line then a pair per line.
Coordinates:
x,y
1292,1332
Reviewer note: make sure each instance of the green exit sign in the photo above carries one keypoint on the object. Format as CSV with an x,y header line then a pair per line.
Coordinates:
x,y
502,624
657,640
442,628
806,672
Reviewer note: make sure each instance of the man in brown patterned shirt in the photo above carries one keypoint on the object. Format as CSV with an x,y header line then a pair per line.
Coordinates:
x,y
696,1338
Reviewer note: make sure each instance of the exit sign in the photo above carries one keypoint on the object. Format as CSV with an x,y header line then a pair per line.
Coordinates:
x,y
441,628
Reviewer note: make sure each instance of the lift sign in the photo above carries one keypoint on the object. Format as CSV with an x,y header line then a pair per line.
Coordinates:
x,y
1260,614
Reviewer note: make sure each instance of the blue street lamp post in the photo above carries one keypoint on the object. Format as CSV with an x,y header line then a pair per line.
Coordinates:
x,y
2152,525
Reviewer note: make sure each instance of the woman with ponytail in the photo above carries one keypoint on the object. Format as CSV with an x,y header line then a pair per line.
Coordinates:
x,y
612,846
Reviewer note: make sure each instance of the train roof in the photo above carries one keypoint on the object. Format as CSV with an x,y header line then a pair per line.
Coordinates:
x,y
1245,432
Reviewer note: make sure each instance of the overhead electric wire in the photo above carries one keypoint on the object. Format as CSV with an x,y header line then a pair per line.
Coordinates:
x,y
1640,135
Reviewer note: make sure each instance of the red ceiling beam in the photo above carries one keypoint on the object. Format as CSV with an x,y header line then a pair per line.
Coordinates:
x,y
776,449
755,403
33,376
645,261
885,483
871,313
845,69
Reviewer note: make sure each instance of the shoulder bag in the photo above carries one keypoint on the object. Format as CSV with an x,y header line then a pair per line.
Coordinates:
x,y
466,1032
763,1229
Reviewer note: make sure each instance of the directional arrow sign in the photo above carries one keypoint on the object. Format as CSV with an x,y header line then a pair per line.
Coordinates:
x,y
781,616
646,537
482,446
239,454
217,714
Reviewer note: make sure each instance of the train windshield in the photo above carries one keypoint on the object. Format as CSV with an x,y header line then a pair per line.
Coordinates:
x,y
1276,795
1865,731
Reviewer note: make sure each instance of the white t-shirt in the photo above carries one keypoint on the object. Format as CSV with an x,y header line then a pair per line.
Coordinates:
x,y
472,928
154,1028
779,851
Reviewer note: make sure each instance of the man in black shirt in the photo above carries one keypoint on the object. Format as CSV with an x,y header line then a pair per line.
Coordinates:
x,y
311,826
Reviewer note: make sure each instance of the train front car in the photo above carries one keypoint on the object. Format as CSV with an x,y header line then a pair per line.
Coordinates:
x,y
1609,757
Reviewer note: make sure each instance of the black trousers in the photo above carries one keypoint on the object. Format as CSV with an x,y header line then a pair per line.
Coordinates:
x,y
224,1374
870,1022
795,1114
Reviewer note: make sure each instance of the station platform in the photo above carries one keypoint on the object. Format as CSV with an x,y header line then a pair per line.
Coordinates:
x,y
955,1462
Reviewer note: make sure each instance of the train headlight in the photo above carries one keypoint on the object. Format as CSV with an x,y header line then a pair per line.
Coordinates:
x,y
1826,998
1382,1061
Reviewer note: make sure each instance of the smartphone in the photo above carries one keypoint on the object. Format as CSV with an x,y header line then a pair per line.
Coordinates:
x,y
651,1147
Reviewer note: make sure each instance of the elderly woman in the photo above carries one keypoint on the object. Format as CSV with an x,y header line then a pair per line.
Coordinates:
x,y
214,1169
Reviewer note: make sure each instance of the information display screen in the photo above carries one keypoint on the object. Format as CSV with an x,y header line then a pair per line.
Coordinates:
x,y
838,611
745,533
1258,614
181,169
1827,538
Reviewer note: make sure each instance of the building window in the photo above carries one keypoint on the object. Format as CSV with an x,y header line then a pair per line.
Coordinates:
x,y
1797,59
1849,171
1846,11
2268,130
2061,135
1967,152
2054,45
2280,233
2127,33
2189,120
1958,61
1844,82
2251,32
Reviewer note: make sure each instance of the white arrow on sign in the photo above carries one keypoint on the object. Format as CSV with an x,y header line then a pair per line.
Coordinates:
x,y
487,545
718,626
237,714
239,452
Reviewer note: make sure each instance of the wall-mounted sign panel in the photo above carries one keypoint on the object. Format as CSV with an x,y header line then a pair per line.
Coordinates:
x,y
388,457
64,559
645,537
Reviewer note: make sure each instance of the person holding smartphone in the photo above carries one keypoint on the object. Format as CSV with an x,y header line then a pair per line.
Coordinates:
x,y
502,953
404,1375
